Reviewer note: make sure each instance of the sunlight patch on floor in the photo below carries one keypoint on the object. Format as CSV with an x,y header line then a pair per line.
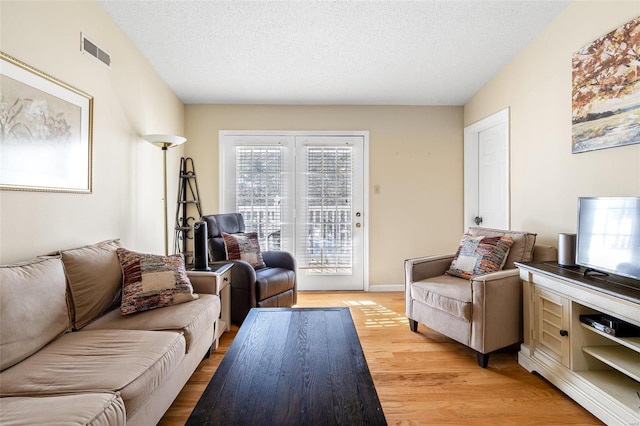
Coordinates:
x,y
377,316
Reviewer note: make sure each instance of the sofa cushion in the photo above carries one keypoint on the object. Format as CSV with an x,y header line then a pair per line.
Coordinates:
x,y
33,308
244,246
95,280
520,251
479,255
131,362
192,319
446,293
95,409
152,281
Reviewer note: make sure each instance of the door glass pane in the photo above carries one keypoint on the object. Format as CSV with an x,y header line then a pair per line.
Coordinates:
x,y
259,192
327,219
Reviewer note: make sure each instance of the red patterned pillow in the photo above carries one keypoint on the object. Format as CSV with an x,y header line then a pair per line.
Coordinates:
x,y
244,246
479,255
152,281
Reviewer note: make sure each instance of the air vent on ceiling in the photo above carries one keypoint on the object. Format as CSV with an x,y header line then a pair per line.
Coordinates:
x,y
90,48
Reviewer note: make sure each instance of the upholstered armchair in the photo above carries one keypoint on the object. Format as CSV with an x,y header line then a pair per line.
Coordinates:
x,y
483,312
271,285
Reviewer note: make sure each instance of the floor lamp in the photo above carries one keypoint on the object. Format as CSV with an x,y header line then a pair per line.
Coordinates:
x,y
165,142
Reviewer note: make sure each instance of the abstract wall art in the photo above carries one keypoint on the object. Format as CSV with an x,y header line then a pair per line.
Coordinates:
x,y
606,91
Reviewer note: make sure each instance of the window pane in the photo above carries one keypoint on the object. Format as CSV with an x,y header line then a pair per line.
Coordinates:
x,y
259,189
328,215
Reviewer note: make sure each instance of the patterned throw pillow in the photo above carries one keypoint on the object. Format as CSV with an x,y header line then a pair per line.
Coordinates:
x,y
244,246
152,281
479,255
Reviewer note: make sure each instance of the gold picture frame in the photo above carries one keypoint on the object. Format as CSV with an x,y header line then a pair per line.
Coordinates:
x,y
46,131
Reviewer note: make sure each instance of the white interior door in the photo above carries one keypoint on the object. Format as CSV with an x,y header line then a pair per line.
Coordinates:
x,y
486,180
304,193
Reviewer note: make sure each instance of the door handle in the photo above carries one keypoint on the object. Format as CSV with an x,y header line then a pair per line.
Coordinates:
x,y
478,220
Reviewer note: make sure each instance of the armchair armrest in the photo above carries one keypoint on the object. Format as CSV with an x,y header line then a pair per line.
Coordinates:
x,y
243,275
279,259
497,310
420,268
499,275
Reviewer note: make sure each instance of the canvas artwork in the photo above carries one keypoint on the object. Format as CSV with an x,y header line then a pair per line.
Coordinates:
x,y
45,131
606,91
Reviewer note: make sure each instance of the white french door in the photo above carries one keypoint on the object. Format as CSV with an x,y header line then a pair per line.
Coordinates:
x,y
304,193
330,212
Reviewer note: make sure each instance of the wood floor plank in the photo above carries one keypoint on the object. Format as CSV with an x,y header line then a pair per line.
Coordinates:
x,y
422,378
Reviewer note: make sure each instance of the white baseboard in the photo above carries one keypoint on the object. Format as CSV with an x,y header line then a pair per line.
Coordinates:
x,y
389,287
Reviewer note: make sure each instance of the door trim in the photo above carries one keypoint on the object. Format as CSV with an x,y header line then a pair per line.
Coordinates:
x,y
471,136
222,134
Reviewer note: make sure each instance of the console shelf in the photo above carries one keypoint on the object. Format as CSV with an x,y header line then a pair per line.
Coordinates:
x,y
616,386
632,343
598,370
618,357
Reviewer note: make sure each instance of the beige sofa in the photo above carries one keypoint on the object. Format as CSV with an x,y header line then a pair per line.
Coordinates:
x,y
68,356
484,312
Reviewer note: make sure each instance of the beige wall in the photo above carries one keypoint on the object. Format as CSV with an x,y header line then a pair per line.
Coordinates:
x,y
415,152
130,99
415,156
546,179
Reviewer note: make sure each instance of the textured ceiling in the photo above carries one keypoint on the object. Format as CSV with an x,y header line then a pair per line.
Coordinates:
x,y
437,52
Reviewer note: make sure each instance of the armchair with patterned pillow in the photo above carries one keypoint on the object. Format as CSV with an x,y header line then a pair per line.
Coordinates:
x,y
475,295
258,279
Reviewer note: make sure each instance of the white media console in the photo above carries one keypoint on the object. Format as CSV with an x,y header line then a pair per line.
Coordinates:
x,y
598,370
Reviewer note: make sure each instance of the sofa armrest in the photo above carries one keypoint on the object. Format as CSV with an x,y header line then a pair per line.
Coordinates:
x,y
279,259
420,268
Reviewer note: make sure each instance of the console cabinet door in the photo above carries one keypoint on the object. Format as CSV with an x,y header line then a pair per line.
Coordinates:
x,y
552,326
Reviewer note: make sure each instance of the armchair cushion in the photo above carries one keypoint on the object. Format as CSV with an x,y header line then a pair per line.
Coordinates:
x,y
244,246
152,281
478,255
446,293
522,248
231,223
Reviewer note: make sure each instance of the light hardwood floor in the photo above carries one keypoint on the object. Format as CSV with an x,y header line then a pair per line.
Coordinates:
x,y
422,378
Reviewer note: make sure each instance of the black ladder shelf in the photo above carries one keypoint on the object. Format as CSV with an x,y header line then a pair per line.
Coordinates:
x,y
188,195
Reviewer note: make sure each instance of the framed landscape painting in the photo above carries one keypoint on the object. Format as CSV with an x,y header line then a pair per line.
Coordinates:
x,y
606,91
45,131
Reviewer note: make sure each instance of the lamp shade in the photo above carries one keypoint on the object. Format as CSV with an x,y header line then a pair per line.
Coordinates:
x,y
165,141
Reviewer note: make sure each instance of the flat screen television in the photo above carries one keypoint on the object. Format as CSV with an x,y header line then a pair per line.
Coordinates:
x,y
608,236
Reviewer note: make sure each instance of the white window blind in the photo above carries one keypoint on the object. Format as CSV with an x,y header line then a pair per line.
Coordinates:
x,y
328,216
260,191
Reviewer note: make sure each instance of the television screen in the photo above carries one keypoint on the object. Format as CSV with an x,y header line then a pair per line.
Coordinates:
x,y
609,235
